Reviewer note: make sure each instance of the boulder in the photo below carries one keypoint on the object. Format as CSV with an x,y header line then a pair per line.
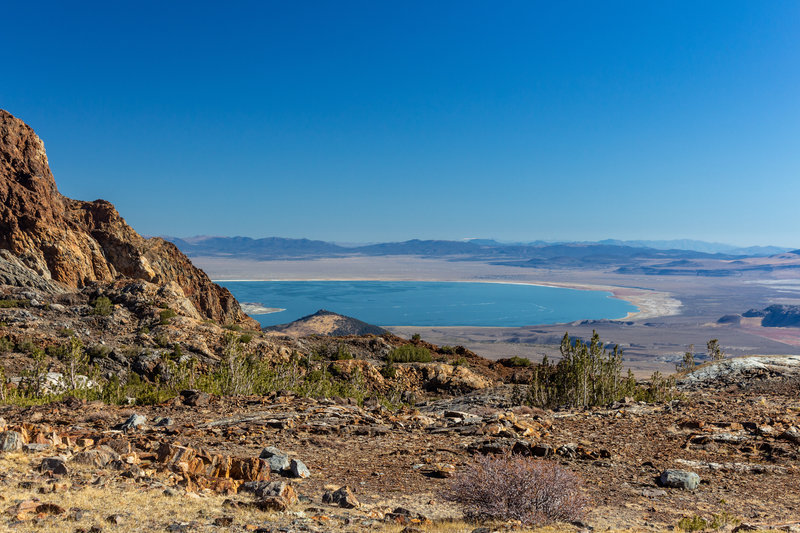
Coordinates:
x,y
343,497
278,461
275,496
133,422
10,441
96,457
195,398
54,465
679,479
298,469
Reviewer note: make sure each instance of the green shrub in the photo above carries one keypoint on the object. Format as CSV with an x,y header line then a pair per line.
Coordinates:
x,y
409,353
519,362
165,315
27,346
244,339
692,523
461,361
416,337
66,332
98,351
58,351
588,375
6,345
7,304
102,306
447,349
162,341
342,353
389,371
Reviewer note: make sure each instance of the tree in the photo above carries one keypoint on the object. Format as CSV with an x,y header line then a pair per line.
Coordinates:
x,y
715,353
688,360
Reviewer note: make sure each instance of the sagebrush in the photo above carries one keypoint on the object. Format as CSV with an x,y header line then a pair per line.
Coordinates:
x,y
512,487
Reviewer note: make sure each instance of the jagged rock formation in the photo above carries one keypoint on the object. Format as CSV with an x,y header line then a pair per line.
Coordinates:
x,y
327,323
77,243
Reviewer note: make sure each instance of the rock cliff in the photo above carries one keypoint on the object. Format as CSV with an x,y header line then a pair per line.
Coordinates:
x,y
77,243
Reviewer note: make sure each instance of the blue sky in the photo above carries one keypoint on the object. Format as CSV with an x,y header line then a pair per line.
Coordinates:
x,y
378,121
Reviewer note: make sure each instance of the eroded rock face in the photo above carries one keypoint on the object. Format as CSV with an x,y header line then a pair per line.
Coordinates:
x,y
77,243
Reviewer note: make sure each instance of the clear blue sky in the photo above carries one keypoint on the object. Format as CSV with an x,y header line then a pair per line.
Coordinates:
x,y
377,121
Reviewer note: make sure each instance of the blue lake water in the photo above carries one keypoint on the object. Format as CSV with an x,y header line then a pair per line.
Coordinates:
x,y
429,303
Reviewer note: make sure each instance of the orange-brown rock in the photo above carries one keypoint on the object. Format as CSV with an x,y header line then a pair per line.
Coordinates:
x,y
76,243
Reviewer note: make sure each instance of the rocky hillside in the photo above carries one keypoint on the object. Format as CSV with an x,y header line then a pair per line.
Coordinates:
x,y
76,243
326,323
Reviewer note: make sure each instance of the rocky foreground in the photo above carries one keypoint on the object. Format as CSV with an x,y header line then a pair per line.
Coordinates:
x,y
286,463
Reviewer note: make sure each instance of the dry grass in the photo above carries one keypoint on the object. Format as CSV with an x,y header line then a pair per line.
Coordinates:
x,y
141,509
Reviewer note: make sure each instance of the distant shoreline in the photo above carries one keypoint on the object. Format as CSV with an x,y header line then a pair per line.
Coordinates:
x,y
649,303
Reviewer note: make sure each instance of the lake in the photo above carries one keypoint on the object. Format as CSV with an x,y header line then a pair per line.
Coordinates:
x,y
429,303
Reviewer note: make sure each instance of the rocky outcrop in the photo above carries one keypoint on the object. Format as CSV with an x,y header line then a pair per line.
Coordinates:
x,y
777,316
326,323
77,243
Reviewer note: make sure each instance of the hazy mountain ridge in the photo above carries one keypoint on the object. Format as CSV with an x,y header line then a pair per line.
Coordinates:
x,y
277,248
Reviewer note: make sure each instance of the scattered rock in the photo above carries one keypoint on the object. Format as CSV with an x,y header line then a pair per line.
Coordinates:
x,y
276,496
162,421
96,457
36,447
195,398
278,461
54,465
132,423
298,469
343,497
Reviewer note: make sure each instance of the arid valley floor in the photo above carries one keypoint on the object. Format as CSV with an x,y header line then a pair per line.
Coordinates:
x,y
675,311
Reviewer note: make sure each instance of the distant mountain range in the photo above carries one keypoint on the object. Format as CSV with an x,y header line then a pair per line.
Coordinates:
x,y
650,258
576,253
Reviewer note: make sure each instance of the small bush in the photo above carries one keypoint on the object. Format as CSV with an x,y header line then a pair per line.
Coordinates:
x,y
519,362
698,523
102,306
98,351
389,371
6,345
66,332
447,349
342,353
461,361
165,315
512,487
162,341
27,346
408,353
7,304
244,339
416,337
